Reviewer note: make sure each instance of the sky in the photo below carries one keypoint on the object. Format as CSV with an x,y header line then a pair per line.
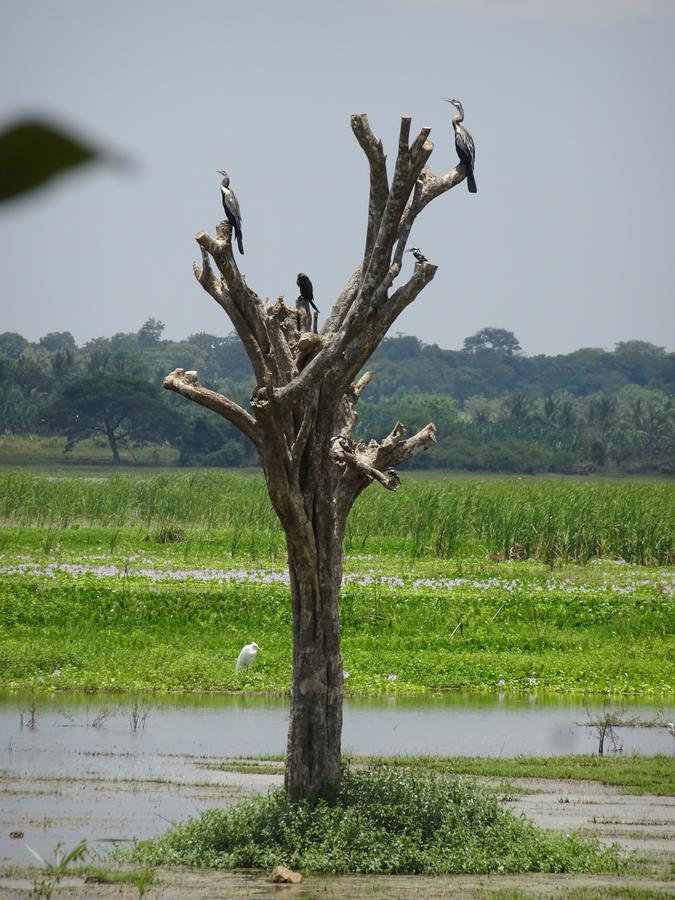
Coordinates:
x,y
568,243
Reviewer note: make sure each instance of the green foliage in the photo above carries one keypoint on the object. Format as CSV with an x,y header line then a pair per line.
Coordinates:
x,y
494,409
54,871
385,821
118,407
156,583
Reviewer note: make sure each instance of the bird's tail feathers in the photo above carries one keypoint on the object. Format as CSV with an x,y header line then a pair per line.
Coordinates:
x,y
471,182
240,242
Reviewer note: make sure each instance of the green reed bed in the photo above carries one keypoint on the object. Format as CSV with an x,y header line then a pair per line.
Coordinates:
x,y
137,623
551,520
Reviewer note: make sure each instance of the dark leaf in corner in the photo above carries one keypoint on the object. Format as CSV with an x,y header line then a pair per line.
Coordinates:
x,y
32,152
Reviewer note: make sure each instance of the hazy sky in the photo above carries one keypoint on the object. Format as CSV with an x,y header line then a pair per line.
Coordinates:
x,y
568,243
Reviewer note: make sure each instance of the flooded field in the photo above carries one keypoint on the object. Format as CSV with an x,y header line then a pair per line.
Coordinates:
x,y
126,767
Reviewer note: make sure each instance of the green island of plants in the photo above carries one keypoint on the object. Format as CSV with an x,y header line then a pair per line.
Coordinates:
x,y
385,821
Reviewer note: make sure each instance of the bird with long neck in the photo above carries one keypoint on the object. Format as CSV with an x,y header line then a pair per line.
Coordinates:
x,y
464,145
231,207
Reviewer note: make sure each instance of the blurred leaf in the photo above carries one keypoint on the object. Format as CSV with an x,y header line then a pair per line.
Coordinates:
x,y
32,152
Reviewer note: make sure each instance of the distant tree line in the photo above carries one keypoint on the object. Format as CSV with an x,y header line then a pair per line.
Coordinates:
x,y
495,408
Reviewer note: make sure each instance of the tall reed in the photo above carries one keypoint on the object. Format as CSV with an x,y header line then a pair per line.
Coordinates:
x,y
547,519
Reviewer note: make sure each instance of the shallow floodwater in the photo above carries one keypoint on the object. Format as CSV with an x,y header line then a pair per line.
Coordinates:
x,y
81,770
239,725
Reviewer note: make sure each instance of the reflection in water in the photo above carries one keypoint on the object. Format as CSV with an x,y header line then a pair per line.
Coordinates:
x,y
238,724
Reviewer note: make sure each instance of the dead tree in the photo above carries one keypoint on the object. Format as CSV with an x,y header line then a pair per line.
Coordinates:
x,y
302,419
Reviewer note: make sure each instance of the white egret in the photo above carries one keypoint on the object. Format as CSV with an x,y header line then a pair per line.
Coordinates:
x,y
247,656
671,729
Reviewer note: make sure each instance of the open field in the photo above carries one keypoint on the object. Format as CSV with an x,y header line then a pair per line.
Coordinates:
x,y
106,609
156,583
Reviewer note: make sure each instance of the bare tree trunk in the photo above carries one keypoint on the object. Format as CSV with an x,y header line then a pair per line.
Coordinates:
x,y
315,724
302,421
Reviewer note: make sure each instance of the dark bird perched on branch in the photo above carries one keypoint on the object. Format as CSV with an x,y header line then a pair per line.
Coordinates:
x,y
231,207
306,289
417,253
464,145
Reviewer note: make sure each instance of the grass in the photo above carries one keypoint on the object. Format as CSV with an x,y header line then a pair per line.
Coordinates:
x,y
155,583
630,774
385,821
141,878
550,520
597,892
106,623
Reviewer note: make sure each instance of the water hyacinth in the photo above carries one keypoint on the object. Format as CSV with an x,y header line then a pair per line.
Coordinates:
x,y
664,583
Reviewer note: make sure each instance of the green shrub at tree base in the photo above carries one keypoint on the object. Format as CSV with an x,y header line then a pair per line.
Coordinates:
x,y
385,821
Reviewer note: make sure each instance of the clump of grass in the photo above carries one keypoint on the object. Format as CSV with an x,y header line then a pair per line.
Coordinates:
x,y
142,878
168,535
386,821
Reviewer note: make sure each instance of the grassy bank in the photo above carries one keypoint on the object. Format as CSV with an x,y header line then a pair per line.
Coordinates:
x,y
630,774
152,622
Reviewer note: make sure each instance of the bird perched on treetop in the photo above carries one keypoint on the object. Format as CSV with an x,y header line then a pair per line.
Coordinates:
x,y
417,253
247,656
231,207
464,145
306,289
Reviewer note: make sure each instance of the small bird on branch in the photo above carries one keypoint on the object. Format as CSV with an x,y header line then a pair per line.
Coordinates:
x,y
306,289
393,475
347,446
464,145
417,253
231,207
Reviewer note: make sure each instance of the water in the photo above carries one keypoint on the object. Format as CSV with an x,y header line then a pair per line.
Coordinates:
x,y
83,771
237,725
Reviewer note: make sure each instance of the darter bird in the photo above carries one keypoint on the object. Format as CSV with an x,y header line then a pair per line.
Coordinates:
x,y
306,289
231,207
466,149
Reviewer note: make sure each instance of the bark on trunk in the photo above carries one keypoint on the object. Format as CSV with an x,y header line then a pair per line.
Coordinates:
x,y
315,723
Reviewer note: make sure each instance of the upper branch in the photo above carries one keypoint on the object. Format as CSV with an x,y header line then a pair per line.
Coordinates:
x,y
233,301
186,384
409,165
379,183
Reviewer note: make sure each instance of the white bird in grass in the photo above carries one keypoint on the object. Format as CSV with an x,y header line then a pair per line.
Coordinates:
x,y
671,729
247,656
